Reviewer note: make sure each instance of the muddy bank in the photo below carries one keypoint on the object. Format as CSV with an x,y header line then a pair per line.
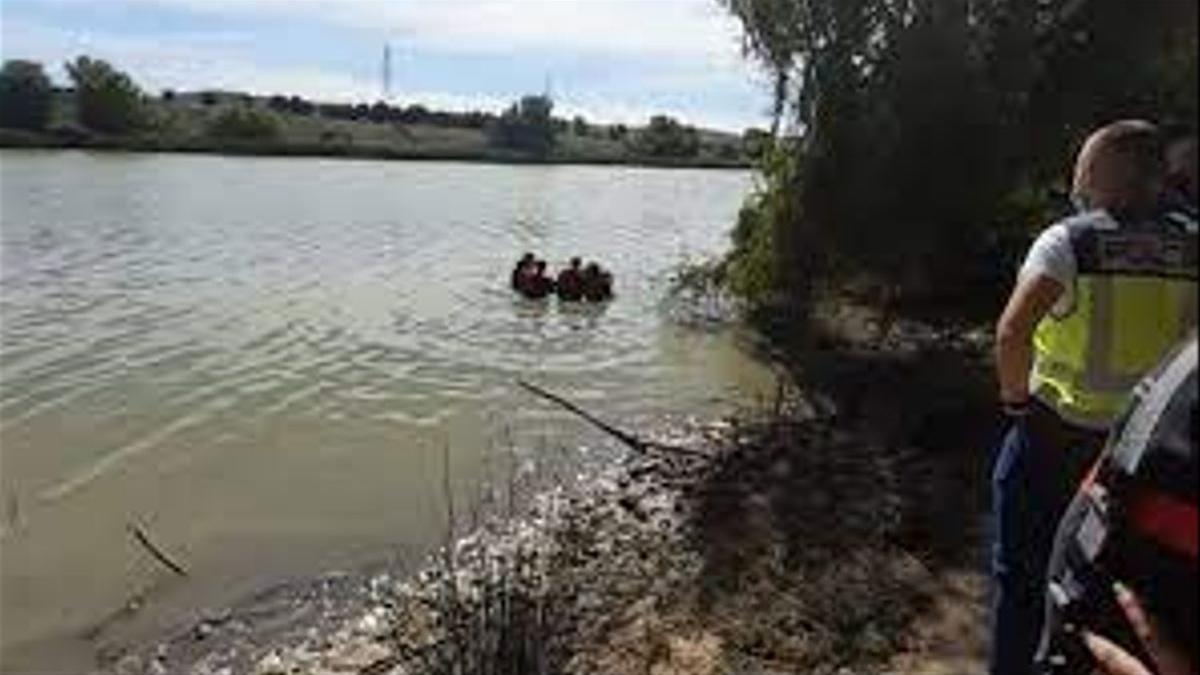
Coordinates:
x,y
837,530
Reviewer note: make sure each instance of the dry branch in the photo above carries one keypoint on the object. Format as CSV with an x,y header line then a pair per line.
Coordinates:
x,y
637,444
140,536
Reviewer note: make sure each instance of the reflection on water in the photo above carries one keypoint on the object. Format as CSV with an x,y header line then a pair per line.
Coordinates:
x,y
261,358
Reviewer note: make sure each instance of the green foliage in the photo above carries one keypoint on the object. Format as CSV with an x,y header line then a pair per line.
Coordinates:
x,y
25,96
761,268
579,126
244,124
931,132
108,101
527,126
666,137
755,142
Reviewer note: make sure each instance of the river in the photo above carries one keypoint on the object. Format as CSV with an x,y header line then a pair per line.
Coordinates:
x,y
265,362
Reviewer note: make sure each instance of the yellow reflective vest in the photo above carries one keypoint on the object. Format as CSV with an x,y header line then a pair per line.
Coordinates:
x,y
1135,298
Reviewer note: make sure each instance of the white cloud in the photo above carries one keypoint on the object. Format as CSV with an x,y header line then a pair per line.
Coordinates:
x,y
688,47
681,28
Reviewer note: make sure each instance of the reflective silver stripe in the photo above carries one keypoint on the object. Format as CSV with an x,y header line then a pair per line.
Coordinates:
x,y
1095,422
1096,383
1154,394
1098,375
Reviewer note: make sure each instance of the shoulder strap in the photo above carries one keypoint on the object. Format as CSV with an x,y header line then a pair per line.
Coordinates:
x,y
1155,249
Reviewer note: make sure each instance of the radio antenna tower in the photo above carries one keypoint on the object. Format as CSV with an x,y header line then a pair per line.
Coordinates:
x,y
387,71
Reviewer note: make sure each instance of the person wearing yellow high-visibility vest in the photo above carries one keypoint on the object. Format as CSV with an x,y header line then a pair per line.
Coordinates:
x,y
1100,298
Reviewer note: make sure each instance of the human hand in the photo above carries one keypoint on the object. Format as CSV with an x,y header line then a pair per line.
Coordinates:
x,y
1015,407
1113,660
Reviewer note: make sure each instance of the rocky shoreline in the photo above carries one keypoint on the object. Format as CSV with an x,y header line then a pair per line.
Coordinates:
x,y
622,524
838,532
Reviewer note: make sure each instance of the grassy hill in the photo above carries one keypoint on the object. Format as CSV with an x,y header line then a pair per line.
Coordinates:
x,y
183,122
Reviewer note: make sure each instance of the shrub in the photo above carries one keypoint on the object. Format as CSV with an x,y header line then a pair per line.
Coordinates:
x,y
243,124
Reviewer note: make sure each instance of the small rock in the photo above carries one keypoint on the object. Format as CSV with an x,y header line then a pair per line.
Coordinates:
x,y
271,664
203,630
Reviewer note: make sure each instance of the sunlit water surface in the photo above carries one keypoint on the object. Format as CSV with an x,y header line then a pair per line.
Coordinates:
x,y
261,361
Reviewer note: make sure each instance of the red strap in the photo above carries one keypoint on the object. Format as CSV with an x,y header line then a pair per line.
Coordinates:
x,y
1166,520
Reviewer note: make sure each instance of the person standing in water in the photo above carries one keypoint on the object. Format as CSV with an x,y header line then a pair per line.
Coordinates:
x,y
519,270
597,283
570,282
536,284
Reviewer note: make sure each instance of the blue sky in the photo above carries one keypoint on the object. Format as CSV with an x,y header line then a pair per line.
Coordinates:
x,y
610,60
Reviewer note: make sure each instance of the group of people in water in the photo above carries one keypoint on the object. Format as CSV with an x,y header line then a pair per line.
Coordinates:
x,y
576,283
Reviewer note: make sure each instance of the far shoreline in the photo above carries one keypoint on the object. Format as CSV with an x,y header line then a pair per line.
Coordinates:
x,y
20,140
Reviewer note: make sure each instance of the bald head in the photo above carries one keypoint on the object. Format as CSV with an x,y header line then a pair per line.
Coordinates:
x,y
1121,167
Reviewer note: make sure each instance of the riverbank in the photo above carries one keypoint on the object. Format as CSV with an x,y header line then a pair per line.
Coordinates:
x,y
413,143
836,530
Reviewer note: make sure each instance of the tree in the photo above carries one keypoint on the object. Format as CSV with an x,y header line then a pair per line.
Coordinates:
x,y
666,137
932,133
25,95
579,126
107,99
415,114
300,106
380,112
526,125
336,111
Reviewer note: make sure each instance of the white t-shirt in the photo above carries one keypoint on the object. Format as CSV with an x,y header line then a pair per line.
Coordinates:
x,y
1052,256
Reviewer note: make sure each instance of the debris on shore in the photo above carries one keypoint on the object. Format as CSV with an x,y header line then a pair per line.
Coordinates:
x,y
787,542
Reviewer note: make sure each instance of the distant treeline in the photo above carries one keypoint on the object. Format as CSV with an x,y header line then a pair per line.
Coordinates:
x,y
104,107
380,112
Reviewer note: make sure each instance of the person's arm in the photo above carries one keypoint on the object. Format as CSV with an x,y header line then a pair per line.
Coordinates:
x,y
1031,300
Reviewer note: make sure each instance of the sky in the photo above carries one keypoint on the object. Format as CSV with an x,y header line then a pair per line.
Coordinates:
x,y
609,60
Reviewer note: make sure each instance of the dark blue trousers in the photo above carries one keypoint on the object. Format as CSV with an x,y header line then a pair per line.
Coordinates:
x,y
1038,467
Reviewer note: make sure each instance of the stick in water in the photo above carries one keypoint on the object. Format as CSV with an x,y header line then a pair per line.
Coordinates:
x,y
140,535
624,436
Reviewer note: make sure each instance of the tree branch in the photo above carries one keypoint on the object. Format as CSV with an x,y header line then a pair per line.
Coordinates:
x,y
637,444
140,536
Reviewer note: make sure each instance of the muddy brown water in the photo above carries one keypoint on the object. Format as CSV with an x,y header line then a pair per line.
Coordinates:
x,y
261,360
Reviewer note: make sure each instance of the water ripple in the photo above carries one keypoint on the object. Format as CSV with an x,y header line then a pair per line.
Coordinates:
x,y
197,337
